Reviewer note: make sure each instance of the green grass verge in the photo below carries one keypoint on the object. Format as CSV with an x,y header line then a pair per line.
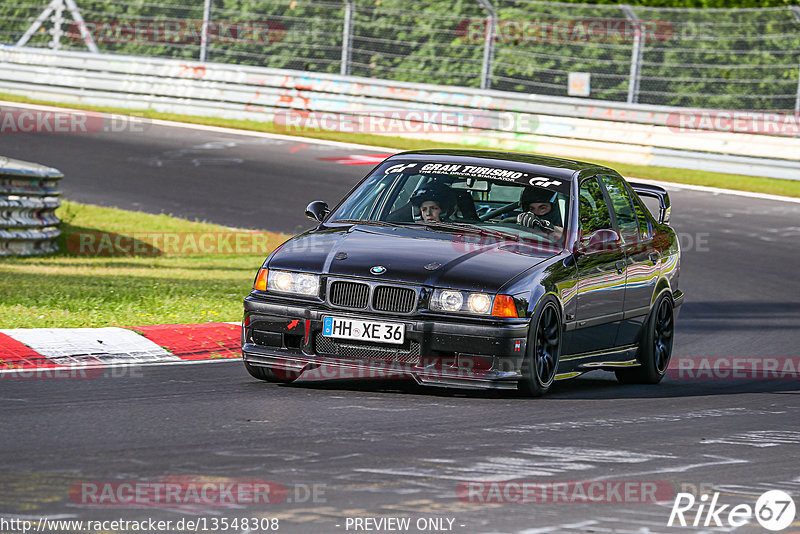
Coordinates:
x,y
73,290
712,179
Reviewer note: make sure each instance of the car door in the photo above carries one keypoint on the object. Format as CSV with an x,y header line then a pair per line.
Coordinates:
x,y
641,258
601,277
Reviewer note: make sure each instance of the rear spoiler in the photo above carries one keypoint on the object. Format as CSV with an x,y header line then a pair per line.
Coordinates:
x,y
654,191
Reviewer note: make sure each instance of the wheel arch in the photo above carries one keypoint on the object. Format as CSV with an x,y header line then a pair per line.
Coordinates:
x,y
661,286
537,300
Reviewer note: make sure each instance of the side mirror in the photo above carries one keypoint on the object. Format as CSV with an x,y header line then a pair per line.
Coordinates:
x,y
599,241
317,210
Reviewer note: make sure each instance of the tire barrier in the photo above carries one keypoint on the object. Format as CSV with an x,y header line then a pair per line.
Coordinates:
x,y
28,202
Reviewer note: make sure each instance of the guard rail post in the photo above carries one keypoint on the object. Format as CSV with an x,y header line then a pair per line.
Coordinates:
x,y
636,54
58,19
204,34
796,13
488,43
347,36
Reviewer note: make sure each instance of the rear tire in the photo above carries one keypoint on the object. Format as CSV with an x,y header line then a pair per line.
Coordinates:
x,y
266,374
543,351
655,347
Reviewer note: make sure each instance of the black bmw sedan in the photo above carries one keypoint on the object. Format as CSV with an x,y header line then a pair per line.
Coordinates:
x,y
472,269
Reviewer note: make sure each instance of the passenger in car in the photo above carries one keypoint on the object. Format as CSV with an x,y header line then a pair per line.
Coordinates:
x,y
431,211
432,203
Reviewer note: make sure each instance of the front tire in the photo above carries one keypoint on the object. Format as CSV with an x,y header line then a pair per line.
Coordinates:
x,y
266,374
655,347
543,350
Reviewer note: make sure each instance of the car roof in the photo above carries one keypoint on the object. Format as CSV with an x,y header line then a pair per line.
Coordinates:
x,y
565,169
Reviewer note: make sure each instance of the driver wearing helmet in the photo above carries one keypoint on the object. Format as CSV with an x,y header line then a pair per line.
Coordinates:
x,y
432,203
538,211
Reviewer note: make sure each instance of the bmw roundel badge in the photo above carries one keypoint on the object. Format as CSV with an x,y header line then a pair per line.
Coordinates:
x,y
378,269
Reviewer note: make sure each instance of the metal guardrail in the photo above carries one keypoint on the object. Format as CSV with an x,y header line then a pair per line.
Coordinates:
x,y
28,200
570,127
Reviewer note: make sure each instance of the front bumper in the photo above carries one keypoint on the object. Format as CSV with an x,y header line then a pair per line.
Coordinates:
x,y
447,352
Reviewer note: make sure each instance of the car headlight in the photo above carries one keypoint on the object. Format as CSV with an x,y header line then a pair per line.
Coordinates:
x,y
294,283
479,303
450,300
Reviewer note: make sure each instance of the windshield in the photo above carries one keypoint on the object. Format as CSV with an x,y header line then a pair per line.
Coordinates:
x,y
457,197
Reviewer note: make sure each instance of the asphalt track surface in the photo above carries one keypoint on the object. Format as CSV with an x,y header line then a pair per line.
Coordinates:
x,y
389,449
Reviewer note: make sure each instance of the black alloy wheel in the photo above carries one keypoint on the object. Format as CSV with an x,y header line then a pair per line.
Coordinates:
x,y
662,339
544,349
655,346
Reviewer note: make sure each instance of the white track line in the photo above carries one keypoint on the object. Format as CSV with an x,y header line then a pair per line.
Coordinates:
x,y
355,146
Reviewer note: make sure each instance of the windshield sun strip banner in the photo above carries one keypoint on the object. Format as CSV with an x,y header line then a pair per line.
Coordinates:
x,y
484,172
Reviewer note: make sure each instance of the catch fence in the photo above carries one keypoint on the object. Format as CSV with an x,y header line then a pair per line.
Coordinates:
x,y
732,59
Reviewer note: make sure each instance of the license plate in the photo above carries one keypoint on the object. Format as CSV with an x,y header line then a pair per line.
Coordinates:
x,y
374,331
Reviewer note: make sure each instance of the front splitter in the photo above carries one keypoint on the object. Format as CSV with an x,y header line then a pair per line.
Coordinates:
x,y
305,369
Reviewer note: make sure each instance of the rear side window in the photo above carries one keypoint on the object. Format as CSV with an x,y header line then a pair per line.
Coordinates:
x,y
623,207
594,212
641,216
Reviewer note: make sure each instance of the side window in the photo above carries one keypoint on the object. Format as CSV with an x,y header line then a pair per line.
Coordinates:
x,y
644,224
593,208
624,211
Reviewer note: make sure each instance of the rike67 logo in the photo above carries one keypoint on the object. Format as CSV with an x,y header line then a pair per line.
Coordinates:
x,y
774,510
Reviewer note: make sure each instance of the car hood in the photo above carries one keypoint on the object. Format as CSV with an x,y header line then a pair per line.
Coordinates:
x,y
410,255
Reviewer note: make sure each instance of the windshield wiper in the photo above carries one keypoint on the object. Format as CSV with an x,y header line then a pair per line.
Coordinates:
x,y
458,226
473,228
372,222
